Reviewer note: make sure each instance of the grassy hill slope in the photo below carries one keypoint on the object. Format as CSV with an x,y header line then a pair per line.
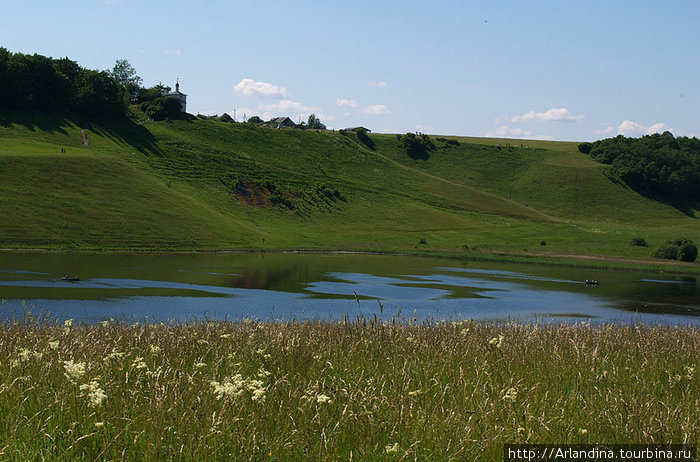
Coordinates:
x,y
202,184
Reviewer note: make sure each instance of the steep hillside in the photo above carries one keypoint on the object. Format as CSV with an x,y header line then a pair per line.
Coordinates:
x,y
203,184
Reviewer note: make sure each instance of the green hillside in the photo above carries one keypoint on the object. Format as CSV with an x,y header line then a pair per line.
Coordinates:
x,y
204,184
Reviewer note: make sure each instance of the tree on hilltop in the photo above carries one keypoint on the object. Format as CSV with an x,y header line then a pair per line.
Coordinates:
x,y
314,123
125,75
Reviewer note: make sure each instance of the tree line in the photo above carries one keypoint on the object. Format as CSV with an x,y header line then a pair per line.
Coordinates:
x,y
659,162
36,82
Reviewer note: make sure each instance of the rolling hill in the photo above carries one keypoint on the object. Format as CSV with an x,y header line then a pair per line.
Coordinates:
x,y
209,185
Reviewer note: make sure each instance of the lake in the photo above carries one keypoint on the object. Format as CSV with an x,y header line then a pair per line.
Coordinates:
x,y
280,286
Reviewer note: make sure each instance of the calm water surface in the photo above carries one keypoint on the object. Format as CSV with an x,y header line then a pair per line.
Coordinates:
x,y
303,286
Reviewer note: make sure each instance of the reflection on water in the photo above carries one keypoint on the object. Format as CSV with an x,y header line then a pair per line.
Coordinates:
x,y
282,286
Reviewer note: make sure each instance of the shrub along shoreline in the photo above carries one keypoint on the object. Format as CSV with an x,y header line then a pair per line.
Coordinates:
x,y
350,390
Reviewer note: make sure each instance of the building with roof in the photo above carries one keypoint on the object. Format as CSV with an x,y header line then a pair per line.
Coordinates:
x,y
283,122
181,97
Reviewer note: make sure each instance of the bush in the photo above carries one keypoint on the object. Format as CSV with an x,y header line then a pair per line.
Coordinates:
x,y
687,252
543,242
163,108
666,251
364,137
639,242
416,146
585,148
422,241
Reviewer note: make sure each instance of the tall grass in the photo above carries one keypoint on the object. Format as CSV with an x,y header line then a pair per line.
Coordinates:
x,y
349,390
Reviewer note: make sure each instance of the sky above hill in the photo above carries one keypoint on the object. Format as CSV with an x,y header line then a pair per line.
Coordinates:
x,y
550,69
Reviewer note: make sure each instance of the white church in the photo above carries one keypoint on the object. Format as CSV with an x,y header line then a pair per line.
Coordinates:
x,y
181,97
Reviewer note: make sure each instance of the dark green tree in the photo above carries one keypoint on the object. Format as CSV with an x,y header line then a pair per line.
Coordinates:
x,y
314,123
416,146
125,74
99,94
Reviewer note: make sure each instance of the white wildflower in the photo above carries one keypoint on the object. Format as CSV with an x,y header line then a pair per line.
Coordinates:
x,y
114,355
391,448
321,399
73,371
510,394
497,341
95,394
104,323
582,431
54,344
230,387
139,363
237,385
155,349
24,355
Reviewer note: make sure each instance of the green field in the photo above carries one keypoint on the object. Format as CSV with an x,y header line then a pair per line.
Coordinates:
x,y
173,186
358,390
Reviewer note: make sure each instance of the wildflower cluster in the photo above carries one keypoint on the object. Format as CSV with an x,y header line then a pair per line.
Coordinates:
x,y
94,393
235,386
497,341
73,371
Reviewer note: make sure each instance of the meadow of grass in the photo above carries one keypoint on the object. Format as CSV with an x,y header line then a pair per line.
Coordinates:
x,y
168,186
359,390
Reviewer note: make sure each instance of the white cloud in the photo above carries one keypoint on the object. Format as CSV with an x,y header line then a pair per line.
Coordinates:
x,y
551,115
287,105
379,84
377,109
174,52
294,110
250,87
346,102
423,129
630,128
606,131
515,132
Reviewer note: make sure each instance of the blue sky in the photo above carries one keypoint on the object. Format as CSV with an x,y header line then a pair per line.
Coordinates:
x,y
564,70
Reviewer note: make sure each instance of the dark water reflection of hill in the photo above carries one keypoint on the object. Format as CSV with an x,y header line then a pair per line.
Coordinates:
x,y
303,286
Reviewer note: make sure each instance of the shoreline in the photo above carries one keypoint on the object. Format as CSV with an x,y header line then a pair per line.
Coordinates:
x,y
566,261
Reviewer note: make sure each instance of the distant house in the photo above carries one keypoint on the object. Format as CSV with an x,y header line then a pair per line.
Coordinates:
x,y
354,129
283,122
181,97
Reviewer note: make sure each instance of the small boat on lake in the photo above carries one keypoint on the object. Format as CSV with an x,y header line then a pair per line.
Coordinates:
x,y
592,282
70,278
